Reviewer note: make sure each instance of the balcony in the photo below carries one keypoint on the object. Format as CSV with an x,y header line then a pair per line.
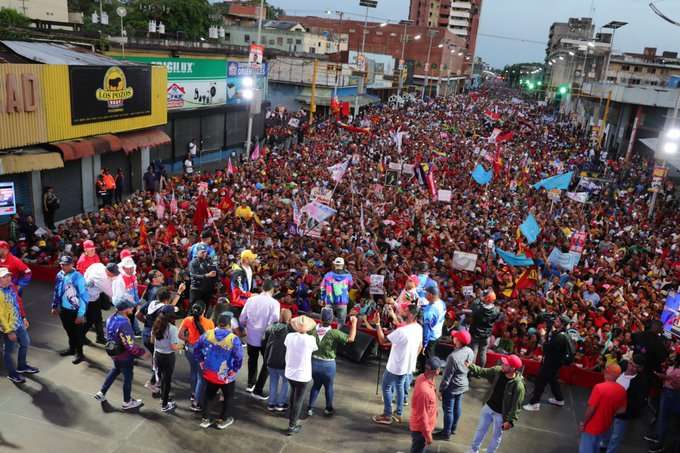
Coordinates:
x,y
461,5
459,23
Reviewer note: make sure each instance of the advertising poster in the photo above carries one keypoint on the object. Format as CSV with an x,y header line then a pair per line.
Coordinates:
x,y
102,93
192,82
7,199
237,71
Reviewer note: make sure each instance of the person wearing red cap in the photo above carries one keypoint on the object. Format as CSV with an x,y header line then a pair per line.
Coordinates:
x,y
88,257
455,383
503,402
21,273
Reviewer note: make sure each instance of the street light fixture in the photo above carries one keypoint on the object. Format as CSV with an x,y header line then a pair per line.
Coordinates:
x,y
673,134
670,148
416,37
613,26
440,45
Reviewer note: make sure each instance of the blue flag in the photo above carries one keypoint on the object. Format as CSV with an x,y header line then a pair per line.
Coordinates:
x,y
514,260
555,182
530,229
481,176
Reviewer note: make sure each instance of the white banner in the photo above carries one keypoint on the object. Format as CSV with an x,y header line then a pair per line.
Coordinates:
x,y
377,284
464,261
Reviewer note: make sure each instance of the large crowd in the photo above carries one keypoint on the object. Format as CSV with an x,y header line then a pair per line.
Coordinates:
x,y
228,234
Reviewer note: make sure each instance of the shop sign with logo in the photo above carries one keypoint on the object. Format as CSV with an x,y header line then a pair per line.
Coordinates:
x,y
103,93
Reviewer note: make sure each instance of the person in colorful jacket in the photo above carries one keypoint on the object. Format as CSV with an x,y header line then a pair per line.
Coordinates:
x,y
242,281
335,289
69,302
220,355
21,273
13,325
119,334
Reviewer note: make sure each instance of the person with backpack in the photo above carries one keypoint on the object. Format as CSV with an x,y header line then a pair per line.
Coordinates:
x,y
121,347
165,343
190,331
559,349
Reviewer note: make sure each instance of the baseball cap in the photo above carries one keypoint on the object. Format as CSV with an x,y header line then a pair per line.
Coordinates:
x,y
4,271
339,261
432,290
66,259
113,268
201,248
4,245
512,361
248,255
326,313
435,363
88,244
124,304
463,336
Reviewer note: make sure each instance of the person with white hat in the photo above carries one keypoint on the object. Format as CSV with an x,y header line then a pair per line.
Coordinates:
x,y
124,287
299,349
335,288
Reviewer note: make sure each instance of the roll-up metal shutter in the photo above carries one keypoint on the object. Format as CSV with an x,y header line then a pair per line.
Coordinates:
x,y
68,186
212,132
163,153
237,127
185,129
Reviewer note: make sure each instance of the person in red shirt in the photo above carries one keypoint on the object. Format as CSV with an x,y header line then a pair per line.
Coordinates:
x,y
606,400
21,273
88,257
424,406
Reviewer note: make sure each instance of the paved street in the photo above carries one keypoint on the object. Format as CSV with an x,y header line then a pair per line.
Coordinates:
x,y
55,412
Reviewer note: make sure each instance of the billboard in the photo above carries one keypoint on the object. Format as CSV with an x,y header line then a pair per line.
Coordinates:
x,y
8,204
237,71
192,82
102,93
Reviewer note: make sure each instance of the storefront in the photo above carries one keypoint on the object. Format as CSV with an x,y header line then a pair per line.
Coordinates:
x,y
60,124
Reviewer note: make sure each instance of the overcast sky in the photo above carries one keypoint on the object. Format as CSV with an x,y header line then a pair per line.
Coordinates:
x,y
530,20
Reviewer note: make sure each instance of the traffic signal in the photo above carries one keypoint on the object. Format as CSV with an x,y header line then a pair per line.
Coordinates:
x,y
563,89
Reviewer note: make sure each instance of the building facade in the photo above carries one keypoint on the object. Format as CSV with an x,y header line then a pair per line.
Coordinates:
x,y
643,69
52,10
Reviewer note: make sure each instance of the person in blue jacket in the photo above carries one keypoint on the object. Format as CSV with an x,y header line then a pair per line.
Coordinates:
x,y
121,347
220,354
69,302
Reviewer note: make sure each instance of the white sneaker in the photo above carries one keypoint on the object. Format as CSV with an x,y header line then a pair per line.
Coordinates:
x,y
206,423
222,424
169,407
555,402
250,389
532,407
99,396
133,403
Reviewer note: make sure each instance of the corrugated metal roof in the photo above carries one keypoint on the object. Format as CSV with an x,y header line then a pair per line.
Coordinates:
x,y
49,53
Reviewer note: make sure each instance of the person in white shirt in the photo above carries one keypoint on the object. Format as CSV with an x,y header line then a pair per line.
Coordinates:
x,y
188,165
98,281
299,349
259,312
407,342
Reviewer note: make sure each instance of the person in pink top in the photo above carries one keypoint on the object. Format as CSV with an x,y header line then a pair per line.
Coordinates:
x,y
88,257
424,406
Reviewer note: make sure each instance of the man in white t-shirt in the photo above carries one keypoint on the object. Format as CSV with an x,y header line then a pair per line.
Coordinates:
x,y
299,349
407,342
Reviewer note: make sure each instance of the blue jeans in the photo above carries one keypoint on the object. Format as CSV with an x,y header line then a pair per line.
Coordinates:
x,y
391,381
612,440
407,385
452,405
121,366
196,375
24,341
323,374
278,387
669,405
487,418
589,443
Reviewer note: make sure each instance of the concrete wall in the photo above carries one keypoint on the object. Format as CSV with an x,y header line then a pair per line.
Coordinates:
x,y
55,10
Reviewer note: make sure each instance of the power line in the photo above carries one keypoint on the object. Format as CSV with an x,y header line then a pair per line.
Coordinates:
x,y
512,38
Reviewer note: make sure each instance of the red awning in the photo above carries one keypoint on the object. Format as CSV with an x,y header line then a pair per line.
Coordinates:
x,y
88,147
142,139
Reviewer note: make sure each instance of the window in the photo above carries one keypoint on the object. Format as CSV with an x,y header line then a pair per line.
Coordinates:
x,y
312,50
611,79
651,70
319,45
298,41
289,40
279,41
635,81
637,69
654,83
227,36
625,67
351,30
271,42
246,38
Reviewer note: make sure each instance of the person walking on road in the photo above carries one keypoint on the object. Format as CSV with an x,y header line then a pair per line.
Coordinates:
x,y
98,281
121,347
69,302
190,331
503,401
166,343
275,359
424,406
299,349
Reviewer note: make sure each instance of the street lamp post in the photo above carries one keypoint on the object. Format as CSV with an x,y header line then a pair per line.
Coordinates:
x,y
362,61
404,38
670,146
335,88
254,99
613,26
432,34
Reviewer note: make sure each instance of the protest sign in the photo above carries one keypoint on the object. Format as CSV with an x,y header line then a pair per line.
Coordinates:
x,y
408,169
578,242
322,195
566,261
444,195
377,284
468,291
464,261
392,178
318,211
294,122
554,195
394,166
579,197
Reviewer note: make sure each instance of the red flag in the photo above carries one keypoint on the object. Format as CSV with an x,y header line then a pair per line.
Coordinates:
x,y
227,204
201,214
526,280
173,204
170,233
344,109
493,116
231,170
431,184
506,137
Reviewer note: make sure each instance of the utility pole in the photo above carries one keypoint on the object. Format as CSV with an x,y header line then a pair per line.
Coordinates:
x,y
362,80
255,98
404,38
338,73
312,100
432,34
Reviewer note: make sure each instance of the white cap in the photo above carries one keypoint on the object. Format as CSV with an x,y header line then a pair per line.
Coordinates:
x,y
4,271
339,262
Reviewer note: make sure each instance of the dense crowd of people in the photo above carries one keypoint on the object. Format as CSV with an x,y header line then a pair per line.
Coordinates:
x,y
251,251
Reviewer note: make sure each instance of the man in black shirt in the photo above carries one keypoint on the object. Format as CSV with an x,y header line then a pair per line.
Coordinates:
x,y
202,272
555,350
484,315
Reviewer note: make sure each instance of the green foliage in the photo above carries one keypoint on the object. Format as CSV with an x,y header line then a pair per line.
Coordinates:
x,y
10,17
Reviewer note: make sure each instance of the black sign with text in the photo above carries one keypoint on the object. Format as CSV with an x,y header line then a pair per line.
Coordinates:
x,y
103,93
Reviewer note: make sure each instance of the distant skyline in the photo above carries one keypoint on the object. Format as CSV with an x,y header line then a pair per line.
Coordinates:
x,y
530,20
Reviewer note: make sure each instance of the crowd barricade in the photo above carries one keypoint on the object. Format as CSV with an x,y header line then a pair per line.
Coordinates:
x,y
572,375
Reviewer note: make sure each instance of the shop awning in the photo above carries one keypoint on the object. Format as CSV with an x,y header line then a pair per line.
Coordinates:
x,y
30,159
142,139
88,147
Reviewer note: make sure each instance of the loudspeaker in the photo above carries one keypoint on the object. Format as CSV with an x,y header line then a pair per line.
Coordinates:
x,y
360,350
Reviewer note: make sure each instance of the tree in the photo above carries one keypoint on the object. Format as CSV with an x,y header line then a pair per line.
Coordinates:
x,y
10,17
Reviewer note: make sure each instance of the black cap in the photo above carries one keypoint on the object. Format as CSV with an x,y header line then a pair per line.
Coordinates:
x,y
113,268
66,259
